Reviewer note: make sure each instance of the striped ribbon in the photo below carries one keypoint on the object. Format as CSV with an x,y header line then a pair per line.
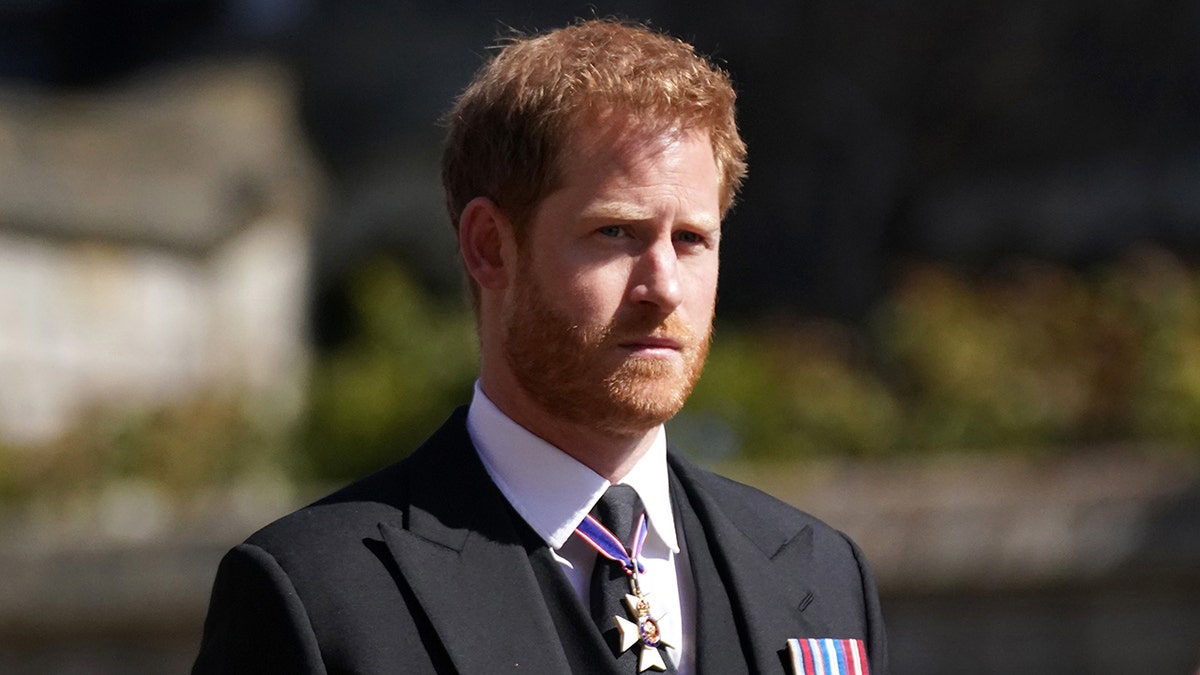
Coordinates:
x,y
827,656
608,545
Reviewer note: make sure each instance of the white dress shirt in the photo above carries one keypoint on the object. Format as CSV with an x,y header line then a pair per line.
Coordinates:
x,y
553,492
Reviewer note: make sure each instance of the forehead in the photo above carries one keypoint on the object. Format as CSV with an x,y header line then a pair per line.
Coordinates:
x,y
595,134
628,154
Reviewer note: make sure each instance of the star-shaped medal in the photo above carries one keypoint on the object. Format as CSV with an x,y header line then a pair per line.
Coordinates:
x,y
644,631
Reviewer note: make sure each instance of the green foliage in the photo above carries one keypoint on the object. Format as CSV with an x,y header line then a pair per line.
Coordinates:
x,y
789,390
1042,355
1158,299
1037,357
995,363
205,441
375,399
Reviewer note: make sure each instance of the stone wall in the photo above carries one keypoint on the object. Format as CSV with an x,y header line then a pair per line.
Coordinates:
x,y
153,242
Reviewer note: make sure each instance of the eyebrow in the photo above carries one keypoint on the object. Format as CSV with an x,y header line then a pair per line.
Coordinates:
x,y
631,213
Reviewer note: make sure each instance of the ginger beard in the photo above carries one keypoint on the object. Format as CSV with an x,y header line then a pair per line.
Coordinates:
x,y
580,373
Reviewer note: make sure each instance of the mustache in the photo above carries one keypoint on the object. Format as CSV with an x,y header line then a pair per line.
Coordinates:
x,y
670,327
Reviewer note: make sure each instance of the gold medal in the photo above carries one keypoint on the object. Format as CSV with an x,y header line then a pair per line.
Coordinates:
x,y
644,631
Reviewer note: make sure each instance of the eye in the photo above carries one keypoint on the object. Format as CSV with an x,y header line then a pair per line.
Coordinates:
x,y
689,237
611,231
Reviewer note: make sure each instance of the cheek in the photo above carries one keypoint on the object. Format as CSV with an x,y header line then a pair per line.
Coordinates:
x,y
599,287
701,289
586,296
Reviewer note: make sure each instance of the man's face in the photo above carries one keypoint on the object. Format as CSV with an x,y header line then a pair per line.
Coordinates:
x,y
610,315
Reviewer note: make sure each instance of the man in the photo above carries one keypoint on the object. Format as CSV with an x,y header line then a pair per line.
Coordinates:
x,y
587,171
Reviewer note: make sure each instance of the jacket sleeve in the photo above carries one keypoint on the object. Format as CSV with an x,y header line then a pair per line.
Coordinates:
x,y
876,638
256,621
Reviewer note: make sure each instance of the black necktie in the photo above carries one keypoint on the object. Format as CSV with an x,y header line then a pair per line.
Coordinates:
x,y
617,510
610,583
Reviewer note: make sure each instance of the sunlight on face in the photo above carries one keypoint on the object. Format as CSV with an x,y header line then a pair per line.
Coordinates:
x,y
609,320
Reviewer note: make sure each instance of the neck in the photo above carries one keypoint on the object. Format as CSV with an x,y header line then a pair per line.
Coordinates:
x,y
611,455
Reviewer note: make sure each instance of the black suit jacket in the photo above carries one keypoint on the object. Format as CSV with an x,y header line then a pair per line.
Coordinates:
x,y
420,568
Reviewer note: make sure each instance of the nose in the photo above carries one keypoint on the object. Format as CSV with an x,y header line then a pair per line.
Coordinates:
x,y
656,277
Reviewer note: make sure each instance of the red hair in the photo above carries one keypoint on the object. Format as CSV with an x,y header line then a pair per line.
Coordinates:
x,y
508,130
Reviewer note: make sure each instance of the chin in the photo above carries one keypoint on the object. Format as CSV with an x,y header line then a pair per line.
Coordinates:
x,y
636,406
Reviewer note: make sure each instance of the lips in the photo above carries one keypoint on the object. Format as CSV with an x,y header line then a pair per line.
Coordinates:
x,y
653,343
649,334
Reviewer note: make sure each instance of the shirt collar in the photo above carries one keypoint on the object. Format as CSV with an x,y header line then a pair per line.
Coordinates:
x,y
550,489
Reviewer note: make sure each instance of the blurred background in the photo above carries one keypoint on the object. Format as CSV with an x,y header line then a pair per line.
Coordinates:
x,y
959,317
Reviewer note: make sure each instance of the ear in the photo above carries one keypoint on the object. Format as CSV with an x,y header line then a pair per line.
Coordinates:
x,y
485,237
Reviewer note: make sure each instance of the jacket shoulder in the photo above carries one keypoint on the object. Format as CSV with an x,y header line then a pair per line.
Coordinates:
x,y
354,512
769,522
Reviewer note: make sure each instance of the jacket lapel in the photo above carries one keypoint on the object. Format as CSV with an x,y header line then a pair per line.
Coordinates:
x,y
463,558
761,566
